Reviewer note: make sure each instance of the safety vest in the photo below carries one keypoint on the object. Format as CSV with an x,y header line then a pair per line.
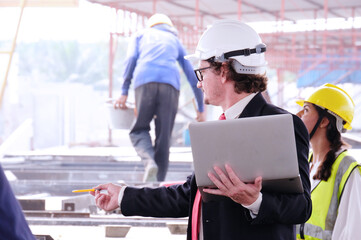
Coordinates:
x,y
326,197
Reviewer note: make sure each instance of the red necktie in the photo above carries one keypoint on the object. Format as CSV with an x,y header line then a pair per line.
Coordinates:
x,y
222,117
197,205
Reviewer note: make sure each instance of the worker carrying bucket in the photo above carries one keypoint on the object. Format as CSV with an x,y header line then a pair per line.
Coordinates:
x,y
120,118
151,64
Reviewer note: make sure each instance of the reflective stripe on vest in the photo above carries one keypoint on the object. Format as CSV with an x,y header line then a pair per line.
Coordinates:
x,y
326,197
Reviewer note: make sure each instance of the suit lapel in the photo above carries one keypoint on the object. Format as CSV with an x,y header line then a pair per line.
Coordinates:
x,y
254,107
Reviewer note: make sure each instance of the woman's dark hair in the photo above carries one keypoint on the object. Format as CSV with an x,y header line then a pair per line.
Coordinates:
x,y
334,137
250,83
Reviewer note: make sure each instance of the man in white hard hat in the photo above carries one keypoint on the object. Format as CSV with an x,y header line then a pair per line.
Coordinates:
x,y
152,65
231,72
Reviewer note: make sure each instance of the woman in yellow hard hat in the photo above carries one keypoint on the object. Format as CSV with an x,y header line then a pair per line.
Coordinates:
x,y
335,175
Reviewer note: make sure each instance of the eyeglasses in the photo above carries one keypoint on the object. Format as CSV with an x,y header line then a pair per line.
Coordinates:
x,y
199,73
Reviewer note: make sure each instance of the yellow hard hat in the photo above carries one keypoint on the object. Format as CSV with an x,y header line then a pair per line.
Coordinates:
x,y
334,99
159,18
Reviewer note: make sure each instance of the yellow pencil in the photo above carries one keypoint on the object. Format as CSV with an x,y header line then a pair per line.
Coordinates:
x,y
84,190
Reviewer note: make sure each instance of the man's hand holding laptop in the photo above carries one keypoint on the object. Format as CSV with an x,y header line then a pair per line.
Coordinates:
x,y
231,186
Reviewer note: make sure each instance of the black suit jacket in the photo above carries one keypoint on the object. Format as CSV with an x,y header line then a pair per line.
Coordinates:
x,y
227,219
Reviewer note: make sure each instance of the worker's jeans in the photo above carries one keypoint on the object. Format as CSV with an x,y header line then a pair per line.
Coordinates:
x,y
158,101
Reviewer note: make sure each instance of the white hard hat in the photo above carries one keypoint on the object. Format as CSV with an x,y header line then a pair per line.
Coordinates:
x,y
159,18
232,39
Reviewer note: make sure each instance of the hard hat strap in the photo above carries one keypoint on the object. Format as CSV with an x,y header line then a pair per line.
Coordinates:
x,y
322,113
320,117
260,48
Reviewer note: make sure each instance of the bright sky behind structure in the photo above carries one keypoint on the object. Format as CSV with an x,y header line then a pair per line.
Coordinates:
x,y
90,22
93,22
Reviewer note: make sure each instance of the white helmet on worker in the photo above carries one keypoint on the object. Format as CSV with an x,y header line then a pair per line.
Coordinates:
x,y
232,39
159,18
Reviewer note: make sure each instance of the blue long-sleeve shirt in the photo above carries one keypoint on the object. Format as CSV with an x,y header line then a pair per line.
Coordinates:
x,y
152,57
12,221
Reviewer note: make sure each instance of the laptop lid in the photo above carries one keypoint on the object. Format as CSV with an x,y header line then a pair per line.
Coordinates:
x,y
258,146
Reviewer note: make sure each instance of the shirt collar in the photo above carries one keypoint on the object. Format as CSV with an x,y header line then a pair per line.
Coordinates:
x,y
234,111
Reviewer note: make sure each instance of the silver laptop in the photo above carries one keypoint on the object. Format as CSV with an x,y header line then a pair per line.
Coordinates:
x,y
258,146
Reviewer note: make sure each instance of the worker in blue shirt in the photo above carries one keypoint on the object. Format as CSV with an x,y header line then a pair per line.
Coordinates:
x,y
152,65
13,225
